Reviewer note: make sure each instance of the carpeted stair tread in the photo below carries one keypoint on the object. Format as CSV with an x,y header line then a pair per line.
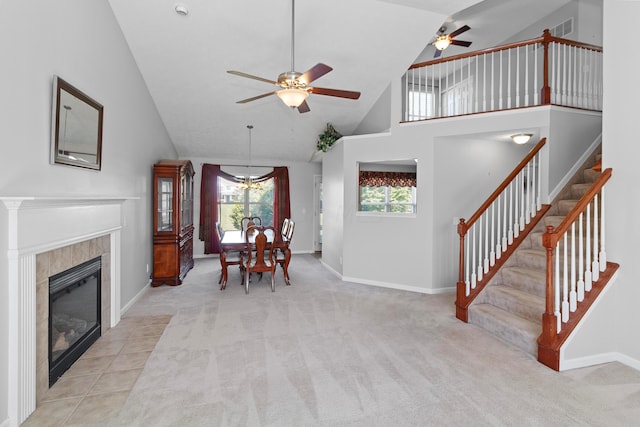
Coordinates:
x,y
590,175
535,258
520,303
578,190
513,329
525,279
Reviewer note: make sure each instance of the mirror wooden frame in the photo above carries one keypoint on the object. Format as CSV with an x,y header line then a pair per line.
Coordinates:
x,y
76,134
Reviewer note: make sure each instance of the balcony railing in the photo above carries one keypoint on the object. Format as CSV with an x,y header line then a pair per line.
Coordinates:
x,y
542,71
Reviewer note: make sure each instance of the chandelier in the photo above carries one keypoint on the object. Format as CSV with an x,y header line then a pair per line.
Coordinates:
x,y
248,183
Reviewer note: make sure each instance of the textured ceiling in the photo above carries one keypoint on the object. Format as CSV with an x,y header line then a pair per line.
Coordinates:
x,y
369,43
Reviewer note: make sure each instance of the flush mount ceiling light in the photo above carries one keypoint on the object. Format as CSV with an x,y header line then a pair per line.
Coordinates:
x,y
181,10
521,138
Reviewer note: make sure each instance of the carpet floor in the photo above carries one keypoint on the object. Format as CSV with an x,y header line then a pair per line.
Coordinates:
x,y
323,352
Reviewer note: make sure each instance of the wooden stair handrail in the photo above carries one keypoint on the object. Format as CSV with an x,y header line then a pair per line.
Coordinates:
x,y
550,341
544,39
464,226
550,238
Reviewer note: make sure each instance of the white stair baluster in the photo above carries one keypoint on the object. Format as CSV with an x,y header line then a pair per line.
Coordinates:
x,y
527,190
588,279
603,252
492,254
499,232
505,230
556,288
565,283
486,242
595,267
573,304
580,285
522,201
467,281
480,259
473,260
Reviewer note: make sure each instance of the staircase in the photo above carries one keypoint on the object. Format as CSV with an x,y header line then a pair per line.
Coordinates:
x,y
511,305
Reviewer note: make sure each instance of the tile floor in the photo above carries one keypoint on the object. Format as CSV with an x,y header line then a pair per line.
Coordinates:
x,y
96,387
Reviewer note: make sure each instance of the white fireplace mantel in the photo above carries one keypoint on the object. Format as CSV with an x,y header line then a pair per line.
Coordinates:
x,y
36,225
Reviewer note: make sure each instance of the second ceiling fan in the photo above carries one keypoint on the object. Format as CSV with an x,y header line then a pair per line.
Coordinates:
x,y
294,86
444,40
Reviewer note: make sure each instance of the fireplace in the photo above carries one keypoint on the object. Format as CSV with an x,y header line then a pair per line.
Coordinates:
x,y
74,315
48,235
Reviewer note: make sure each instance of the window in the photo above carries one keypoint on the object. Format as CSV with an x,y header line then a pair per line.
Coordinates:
x,y
387,188
420,105
388,199
237,202
456,99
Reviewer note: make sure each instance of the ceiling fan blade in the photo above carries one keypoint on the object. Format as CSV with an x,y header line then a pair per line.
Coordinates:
x,y
335,92
249,76
304,107
460,31
264,95
461,43
437,53
314,73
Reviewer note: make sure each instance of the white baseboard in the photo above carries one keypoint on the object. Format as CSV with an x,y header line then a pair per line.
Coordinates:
x,y
387,284
398,286
135,298
599,359
5,423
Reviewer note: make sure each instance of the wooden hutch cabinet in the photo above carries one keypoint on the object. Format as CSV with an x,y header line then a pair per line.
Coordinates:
x,y
172,221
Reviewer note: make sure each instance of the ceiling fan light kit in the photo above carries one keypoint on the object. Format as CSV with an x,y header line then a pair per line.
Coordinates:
x,y
292,97
443,40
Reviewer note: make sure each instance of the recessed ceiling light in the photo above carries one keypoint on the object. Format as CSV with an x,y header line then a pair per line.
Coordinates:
x,y
182,10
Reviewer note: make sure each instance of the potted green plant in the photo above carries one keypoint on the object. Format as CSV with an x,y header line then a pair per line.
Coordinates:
x,y
327,138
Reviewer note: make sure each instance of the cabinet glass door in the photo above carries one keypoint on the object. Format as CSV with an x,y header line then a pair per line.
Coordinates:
x,y
165,204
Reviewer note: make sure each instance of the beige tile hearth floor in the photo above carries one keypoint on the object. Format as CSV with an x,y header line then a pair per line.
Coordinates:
x,y
96,387
321,352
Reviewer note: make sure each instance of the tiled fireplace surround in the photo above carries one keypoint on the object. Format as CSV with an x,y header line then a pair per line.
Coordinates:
x,y
47,235
56,261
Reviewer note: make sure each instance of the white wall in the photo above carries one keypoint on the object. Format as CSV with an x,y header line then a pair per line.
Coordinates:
x,y
301,176
587,21
613,326
81,42
333,207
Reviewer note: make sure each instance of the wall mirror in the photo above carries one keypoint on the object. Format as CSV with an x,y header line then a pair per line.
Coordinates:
x,y
76,138
387,187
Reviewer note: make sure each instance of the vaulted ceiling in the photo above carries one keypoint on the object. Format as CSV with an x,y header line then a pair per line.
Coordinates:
x,y
369,43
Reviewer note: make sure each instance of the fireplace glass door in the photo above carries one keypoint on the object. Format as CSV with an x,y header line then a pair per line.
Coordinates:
x,y
74,315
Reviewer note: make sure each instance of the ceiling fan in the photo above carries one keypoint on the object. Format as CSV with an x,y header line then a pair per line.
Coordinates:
x,y
444,40
294,86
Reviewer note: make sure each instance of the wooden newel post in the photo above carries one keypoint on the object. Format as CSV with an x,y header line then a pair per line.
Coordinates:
x,y
461,292
547,354
546,89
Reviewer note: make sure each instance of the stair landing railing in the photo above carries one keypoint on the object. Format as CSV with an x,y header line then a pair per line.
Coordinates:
x,y
546,70
493,232
577,269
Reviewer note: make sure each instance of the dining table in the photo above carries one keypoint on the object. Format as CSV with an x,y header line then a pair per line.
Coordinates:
x,y
235,240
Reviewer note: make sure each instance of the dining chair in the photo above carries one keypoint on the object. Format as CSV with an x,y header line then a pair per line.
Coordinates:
x,y
259,255
285,226
282,250
227,258
248,221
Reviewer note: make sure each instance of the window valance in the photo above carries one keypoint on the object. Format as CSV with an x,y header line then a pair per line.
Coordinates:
x,y
384,179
